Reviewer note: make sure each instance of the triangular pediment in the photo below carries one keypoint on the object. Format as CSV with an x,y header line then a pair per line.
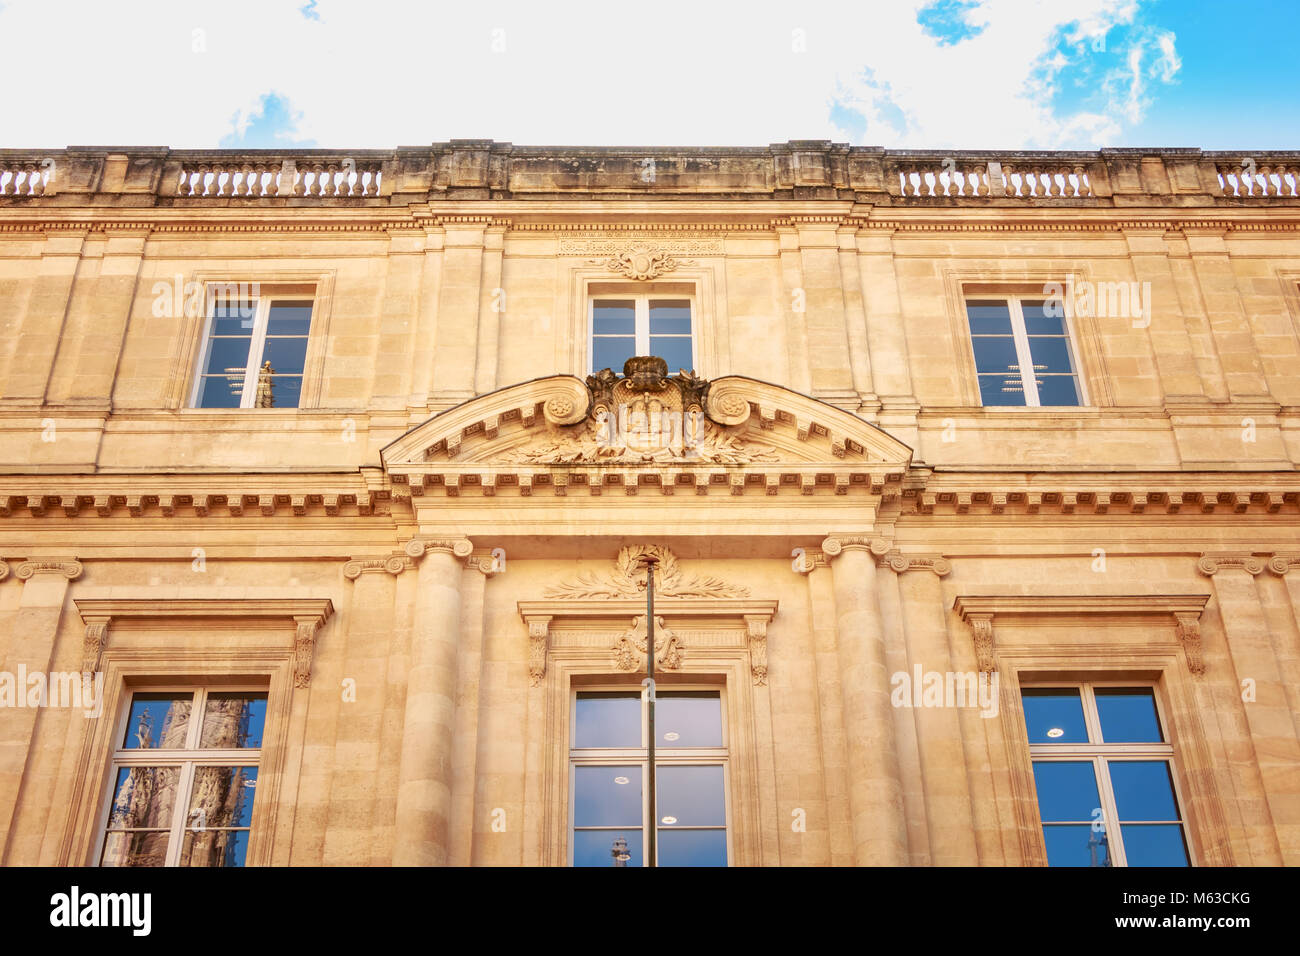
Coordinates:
x,y
647,428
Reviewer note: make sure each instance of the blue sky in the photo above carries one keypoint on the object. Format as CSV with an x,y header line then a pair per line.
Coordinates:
x,y
1039,74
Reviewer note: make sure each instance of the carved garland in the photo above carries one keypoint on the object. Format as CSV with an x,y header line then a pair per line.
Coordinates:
x,y
629,579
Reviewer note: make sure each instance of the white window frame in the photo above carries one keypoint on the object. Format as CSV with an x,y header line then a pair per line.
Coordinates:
x,y
642,326
256,345
1024,358
1100,755
187,759
664,757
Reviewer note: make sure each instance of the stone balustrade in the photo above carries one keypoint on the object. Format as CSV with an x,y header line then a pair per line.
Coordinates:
x,y
798,170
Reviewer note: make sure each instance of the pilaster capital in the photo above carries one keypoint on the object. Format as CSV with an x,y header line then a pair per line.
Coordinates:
x,y
393,564
1212,562
898,562
487,562
458,547
1280,563
4,570
806,560
69,567
837,544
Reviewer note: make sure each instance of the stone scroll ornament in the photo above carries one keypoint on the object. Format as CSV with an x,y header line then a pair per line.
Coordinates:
x,y
628,579
645,416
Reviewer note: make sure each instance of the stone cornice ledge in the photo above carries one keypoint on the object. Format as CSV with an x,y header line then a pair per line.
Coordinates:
x,y
996,605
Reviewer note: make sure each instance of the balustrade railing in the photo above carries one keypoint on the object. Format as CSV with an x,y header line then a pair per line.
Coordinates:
x,y
1247,180
928,179
327,179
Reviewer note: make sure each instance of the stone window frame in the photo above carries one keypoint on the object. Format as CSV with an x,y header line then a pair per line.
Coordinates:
x,y
1085,334
640,294
677,757
269,644
1168,658
1015,306
187,759
1091,751
573,343
571,647
185,365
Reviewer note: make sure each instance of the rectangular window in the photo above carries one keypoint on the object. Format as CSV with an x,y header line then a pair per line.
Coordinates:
x,y
184,778
626,325
1102,772
610,765
1023,352
254,351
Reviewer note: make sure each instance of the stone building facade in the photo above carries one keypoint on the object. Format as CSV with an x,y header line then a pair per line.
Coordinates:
x,y
971,479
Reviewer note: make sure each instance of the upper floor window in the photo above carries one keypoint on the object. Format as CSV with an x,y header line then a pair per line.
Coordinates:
x,y
1103,773
1023,352
609,764
254,350
644,324
184,779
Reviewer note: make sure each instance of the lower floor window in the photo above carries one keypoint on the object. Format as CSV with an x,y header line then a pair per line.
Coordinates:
x,y
184,779
610,770
1103,775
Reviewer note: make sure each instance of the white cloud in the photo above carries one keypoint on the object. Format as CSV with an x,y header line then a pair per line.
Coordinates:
x,y
384,73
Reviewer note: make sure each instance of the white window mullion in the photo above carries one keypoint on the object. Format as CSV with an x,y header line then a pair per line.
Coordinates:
x,y
1023,356
1110,813
255,347
643,325
180,817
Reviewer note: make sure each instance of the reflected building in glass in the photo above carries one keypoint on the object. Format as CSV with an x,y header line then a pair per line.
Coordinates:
x,y
969,479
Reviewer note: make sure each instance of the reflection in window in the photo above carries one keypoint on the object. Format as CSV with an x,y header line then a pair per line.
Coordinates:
x,y
254,353
183,790
610,767
1103,777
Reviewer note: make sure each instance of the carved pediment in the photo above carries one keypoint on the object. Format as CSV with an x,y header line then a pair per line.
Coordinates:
x,y
645,427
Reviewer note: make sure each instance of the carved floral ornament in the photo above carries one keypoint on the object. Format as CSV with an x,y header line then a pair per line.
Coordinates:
x,y
620,594
640,261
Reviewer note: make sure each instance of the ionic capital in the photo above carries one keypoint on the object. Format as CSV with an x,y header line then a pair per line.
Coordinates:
x,y
1212,562
393,564
458,547
1283,562
69,567
837,544
898,562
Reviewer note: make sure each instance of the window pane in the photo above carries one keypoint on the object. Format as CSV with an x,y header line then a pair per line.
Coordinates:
x,y
1044,318
158,721
285,355
1057,390
996,354
1054,715
607,796
1067,791
148,848
692,847
690,797
670,316
688,719
285,392
675,351
228,356
1128,715
233,319
608,720
1076,846
222,797
613,317
1143,789
288,318
1049,354
1159,845
233,720
221,391
1001,390
214,848
611,352
144,797
989,317
594,847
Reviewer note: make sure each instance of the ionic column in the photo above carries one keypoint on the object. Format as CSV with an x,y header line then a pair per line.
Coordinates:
x,y
1266,742
424,778
875,791
939,729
